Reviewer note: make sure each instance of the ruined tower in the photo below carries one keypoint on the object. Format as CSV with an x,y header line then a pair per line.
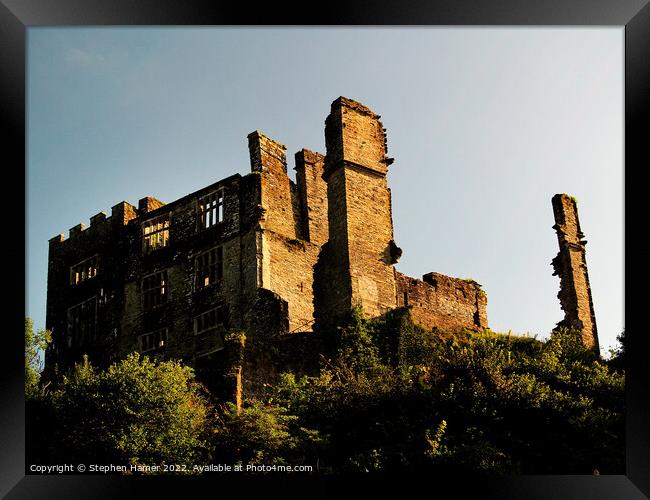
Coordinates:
x,y
571,266
361,247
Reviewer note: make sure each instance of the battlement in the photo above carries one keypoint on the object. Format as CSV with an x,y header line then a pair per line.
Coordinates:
x,y
97,219
149,204
59,238
77,230
121,213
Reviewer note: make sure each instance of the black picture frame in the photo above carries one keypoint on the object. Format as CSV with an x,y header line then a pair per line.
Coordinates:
x,y
17,15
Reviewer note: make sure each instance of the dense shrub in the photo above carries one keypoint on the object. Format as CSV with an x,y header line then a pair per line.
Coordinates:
x,y
392,397
136,412
262,434
462,401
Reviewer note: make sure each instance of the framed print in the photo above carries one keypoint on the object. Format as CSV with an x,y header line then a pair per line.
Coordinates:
x,y
347,246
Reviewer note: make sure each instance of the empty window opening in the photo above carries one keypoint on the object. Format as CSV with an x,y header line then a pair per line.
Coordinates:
x,y
211,209
155,233
85,270
153,340
209,267
82,322
209,320
155,290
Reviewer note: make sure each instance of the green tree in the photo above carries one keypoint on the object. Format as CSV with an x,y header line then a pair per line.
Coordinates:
x,y
617,354
263,433
35,344
136,412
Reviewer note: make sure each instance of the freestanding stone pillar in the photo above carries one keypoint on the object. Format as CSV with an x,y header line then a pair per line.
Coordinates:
x,y
571,266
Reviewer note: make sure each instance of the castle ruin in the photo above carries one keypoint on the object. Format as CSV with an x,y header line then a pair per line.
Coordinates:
x,y
263,254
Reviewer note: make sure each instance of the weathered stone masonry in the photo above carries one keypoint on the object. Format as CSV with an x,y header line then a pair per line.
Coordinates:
x,y
439,301
570,265
260,253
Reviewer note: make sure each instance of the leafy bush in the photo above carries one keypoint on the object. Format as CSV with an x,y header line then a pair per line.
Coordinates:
x,y
262,434
509,404
135,412
392,397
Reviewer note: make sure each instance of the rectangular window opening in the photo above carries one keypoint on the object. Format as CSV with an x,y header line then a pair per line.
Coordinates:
x,y
155,290
211,209
155,233
153,341
84,270
209,267
82,323
209,320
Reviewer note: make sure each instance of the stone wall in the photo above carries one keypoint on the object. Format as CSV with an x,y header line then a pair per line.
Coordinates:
x,y
354,133
296,257
292,264
291,213
117,241
332,285
439,301
312,190
186,300
278,198
359,205
104,239
149,204
571,266
370,233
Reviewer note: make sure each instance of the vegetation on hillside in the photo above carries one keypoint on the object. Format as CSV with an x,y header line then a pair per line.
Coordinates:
x,y
393,397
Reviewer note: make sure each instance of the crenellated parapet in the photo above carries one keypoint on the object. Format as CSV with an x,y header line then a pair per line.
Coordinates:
x,y
121,215
149,204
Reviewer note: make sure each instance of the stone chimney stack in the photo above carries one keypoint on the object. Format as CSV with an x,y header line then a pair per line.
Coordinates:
x,y
570,265
360,221
266,154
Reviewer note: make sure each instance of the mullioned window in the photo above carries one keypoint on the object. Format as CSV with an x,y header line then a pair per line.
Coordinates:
x,y
84,270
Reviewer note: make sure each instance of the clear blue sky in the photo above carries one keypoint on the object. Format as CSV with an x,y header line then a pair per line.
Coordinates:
x,y
485,125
